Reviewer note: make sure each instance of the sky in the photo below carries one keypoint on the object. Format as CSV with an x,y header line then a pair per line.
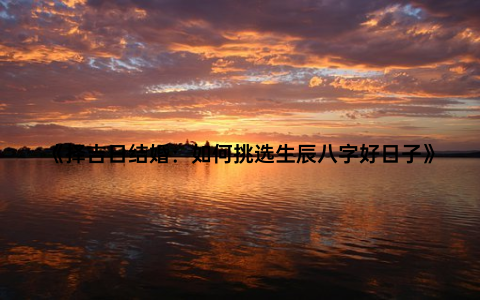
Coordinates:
x,y
295,72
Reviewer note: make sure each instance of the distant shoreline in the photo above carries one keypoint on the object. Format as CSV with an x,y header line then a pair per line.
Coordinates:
x,y
438,154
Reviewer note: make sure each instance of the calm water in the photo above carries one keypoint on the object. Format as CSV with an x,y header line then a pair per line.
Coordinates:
x,y
177,230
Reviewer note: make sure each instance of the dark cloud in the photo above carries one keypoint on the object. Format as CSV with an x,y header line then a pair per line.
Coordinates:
x,y
459,12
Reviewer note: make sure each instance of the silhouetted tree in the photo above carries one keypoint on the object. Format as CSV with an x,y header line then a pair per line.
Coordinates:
x,y
24,148
9,152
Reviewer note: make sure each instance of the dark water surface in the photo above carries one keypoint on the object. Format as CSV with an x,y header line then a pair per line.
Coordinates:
x,y
179,230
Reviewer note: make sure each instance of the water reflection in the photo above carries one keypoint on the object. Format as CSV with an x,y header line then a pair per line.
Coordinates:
x,y
114,230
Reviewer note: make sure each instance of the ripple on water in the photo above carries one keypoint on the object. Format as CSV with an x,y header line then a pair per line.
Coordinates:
x,y
387,230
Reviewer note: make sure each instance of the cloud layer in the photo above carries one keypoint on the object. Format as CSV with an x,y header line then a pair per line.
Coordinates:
x,y
348,71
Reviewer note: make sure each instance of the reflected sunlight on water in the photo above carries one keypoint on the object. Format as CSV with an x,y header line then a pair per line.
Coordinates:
x,y
115,230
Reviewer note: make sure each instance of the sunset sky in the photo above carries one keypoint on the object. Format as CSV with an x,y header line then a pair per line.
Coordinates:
x,y
298,71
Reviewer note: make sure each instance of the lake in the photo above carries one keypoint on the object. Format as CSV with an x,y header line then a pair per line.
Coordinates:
x,y
179,230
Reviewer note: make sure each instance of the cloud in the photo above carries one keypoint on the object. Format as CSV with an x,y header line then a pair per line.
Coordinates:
x,y
315,81
187,67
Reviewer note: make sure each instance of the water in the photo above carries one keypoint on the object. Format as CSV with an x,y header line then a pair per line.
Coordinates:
x,y
181,230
